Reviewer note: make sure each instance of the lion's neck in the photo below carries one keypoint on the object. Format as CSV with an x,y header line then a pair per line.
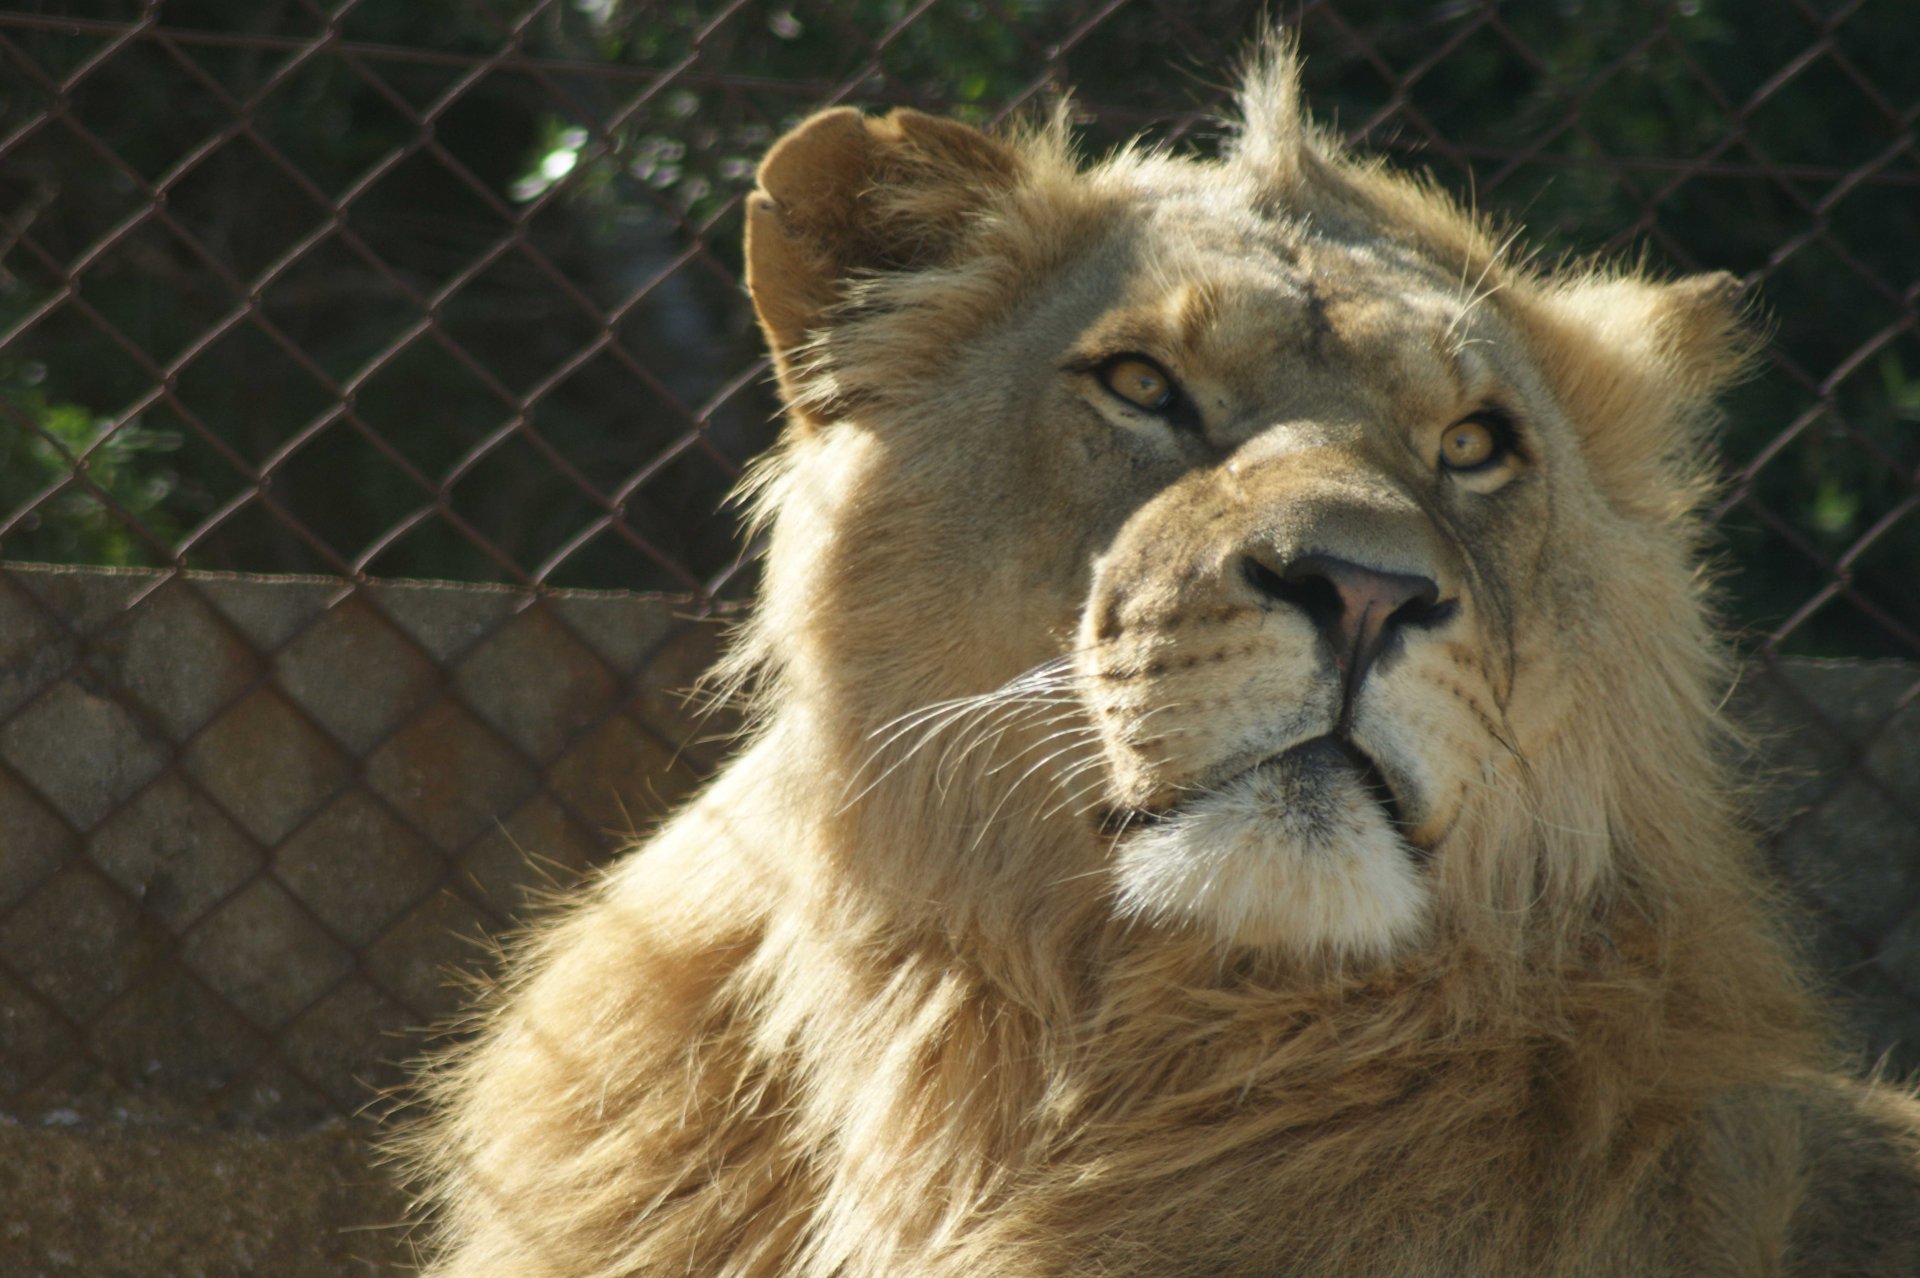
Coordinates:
x,y
968,1061
961,1111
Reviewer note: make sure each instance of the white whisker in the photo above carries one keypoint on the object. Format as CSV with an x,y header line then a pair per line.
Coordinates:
x,y
1040,698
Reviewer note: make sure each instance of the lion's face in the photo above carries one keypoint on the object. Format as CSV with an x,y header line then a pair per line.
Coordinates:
x,y
1300,514
1297,648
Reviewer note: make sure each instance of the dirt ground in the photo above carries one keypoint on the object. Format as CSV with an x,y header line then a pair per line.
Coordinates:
x,y
132,1201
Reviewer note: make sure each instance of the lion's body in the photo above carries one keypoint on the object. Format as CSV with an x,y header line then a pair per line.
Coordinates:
x,y
1237,791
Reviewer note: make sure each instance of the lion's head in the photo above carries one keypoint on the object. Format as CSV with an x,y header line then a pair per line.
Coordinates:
x,y
1258,547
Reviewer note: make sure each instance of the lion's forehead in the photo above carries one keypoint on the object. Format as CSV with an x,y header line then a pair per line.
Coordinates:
x,y
1281,322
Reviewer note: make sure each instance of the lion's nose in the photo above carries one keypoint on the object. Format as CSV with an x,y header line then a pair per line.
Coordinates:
x,y
1360,611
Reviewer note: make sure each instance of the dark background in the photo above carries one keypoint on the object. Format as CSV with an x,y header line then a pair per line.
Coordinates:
x,y
449,288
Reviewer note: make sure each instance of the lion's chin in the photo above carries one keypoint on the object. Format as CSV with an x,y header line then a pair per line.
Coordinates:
x,y
1299,853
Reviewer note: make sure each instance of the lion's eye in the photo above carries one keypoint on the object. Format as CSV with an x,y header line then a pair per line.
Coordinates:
x,y
1477,442
1140,382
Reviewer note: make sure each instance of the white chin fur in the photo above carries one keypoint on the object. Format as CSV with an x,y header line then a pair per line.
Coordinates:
x,y
1284,856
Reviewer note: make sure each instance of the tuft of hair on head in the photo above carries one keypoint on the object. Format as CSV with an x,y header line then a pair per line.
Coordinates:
x,y
1274,135
1303,172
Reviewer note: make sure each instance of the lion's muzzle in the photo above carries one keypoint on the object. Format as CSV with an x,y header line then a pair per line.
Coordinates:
x,y
1262,654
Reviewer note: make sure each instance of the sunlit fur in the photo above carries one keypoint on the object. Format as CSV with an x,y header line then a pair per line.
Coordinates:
x,y
900,995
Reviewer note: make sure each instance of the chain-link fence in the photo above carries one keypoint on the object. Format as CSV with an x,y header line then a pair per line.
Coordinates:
x,y
380,289
451,289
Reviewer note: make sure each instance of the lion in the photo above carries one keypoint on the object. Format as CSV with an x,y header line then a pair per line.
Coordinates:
x,y
1236,785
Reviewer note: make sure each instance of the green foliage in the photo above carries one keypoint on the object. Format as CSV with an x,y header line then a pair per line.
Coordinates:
x,y
698,142
58,461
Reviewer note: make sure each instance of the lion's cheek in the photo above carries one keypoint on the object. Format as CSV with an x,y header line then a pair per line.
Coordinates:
x,y
1434,729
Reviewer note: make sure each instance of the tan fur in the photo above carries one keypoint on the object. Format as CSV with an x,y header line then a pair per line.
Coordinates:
x,y
1026,938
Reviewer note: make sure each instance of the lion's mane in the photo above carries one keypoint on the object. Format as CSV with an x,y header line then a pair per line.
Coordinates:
x,y
872,1005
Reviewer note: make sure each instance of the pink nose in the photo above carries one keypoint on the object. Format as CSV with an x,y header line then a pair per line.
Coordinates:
x,y
1359,611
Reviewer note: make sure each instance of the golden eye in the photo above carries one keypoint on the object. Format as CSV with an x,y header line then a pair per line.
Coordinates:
x,y
1140,382
1471,443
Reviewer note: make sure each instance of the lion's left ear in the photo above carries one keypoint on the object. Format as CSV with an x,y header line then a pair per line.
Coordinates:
x,y
1638,363
845,194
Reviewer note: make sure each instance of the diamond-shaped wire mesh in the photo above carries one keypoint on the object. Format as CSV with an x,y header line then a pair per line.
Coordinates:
x,y
379,289
451,290
251,824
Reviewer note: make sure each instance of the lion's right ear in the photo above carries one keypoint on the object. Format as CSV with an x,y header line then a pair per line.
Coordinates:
x,y
844,194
